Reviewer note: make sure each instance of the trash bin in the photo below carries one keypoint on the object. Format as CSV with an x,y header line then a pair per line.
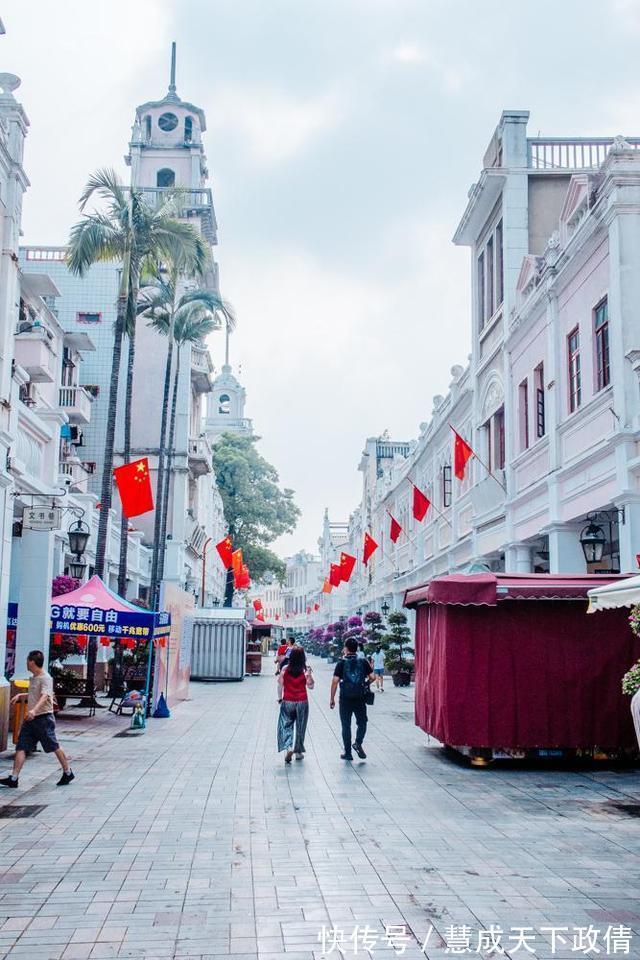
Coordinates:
x,y
20,709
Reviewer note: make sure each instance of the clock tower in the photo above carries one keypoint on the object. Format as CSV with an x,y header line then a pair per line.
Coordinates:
x,y
166,151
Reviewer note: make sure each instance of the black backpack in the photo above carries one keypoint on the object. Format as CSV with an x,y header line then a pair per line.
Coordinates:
x,y
352,685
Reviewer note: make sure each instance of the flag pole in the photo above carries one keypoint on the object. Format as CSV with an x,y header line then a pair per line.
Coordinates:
x,y
432,504
481,462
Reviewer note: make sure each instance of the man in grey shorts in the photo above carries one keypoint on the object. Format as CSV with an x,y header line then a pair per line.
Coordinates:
x,y
40,725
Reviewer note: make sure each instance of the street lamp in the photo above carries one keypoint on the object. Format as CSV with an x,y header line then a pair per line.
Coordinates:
x,y
216,601
78,535
385,608
359,612
592,541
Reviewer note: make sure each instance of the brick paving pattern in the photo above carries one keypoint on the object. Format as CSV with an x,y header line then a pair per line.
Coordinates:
x,y
195,840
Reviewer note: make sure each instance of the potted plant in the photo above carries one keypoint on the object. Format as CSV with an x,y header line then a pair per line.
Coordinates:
x,y
374,632
399,656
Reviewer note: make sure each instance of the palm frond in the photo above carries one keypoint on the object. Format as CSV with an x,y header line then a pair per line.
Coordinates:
x,y
106,183
92,240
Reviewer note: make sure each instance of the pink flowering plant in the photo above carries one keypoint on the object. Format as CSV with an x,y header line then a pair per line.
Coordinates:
x,y
631,679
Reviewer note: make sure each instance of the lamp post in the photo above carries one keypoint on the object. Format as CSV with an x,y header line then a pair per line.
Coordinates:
x,y
78,535
592,541
593,538
385,609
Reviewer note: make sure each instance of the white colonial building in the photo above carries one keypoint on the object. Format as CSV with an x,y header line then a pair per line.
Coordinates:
x,y
44,416
549,399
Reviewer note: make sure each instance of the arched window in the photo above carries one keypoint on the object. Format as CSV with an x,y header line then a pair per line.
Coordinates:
x,y
188,129
165,178
224,405
147,127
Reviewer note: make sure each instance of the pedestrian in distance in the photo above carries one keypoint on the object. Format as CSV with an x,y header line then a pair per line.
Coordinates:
x,y
353,675
40,725
290,645
378,668
293,682
280,652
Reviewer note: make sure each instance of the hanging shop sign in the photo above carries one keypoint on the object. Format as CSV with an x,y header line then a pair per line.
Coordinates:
x,y
44,519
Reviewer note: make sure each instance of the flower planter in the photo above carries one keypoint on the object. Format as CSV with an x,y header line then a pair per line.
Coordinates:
x,y
402,678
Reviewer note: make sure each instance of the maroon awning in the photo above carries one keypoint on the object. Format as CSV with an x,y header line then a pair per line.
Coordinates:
x,y
488,589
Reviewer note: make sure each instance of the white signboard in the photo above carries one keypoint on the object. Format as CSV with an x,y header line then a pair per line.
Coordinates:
x,y
42,518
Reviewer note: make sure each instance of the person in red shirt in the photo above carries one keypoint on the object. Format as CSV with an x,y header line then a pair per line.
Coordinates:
x,y
293,682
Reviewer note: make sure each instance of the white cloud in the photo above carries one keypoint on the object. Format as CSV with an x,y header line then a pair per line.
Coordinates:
x,y
275,125
408,53
449,76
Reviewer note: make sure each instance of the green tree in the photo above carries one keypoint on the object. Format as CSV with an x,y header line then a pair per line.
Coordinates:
x,y
374,631
399,651
257,510
187,317
126,229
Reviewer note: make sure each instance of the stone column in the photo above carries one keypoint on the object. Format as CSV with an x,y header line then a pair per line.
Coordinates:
x,y
518,558
565,551
34,601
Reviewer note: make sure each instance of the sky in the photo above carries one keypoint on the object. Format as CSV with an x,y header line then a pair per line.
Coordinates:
x,y
342,139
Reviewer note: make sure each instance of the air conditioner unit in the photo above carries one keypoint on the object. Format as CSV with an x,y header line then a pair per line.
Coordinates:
x,y
28,393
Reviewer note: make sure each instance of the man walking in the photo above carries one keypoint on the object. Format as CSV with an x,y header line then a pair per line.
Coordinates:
x,y
353,674
40,725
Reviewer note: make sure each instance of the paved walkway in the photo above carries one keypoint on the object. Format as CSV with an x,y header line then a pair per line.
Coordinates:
x,y
194,840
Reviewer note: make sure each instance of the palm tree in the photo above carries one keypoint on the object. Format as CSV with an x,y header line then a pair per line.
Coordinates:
x,y
182,318
126,229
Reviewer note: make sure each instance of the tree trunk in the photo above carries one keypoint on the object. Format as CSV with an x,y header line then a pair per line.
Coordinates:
x,y
170,456
126,457
229,589
107,472
157,522
116,688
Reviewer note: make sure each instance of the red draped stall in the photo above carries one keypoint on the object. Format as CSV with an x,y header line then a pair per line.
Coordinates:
x,y
513,663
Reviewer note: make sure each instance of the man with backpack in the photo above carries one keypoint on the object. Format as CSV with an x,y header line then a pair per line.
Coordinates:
x,y
353,674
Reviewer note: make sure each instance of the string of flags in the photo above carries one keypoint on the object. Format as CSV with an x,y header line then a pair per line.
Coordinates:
x,y
233,560
338,572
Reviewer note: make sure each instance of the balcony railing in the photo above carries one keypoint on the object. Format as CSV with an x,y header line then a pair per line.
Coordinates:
x,y
200,456
76,403
192,203
556,153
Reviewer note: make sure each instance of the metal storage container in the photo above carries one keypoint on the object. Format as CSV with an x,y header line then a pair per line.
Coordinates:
x,y
218,644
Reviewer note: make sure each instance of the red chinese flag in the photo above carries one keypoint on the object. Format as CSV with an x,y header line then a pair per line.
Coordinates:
x,y
260,617
257,604
277,616
308,610
225,549
327,586
134,486
347,563
421,504
395,530
335,575
316,607
462,453
244,580
370,547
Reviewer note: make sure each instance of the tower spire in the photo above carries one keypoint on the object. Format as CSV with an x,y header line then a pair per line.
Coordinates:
x,y
172,82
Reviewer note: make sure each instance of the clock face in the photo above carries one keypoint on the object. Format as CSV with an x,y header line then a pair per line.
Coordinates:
x,y
168,121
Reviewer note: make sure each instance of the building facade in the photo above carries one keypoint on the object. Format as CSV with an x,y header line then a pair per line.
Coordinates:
x,y
549,399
